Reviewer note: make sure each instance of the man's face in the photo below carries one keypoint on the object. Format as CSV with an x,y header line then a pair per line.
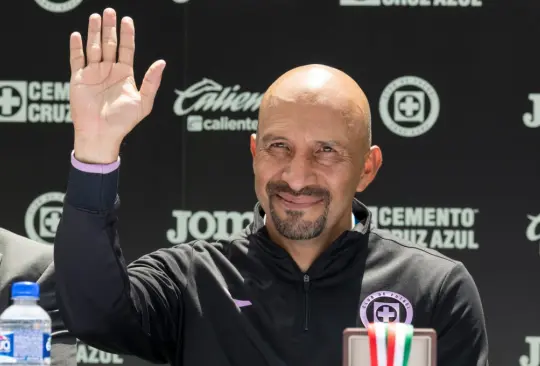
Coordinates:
x,y
308,161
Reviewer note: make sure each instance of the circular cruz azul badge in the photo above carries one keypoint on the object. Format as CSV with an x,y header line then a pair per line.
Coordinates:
x,y
386,307
61,6
42,217
409,106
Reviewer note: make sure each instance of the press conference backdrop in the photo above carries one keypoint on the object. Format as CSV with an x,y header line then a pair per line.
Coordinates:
x,y
454,87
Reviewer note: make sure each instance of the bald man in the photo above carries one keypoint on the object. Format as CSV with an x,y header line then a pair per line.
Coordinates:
x,y
282,290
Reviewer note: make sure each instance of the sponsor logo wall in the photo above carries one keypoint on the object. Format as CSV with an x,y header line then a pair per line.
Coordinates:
x,y
532,119
43,216
61,6
203,225
409,106
532,356
209,106
90,355
533,229
455,108
34,101
438,228
413,3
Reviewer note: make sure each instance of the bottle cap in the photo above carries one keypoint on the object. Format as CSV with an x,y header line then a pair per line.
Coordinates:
x,y
25,289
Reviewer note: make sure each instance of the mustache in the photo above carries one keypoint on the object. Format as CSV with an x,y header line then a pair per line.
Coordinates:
x,y
273,188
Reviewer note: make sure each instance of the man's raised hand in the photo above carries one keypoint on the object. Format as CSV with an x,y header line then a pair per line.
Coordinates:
x,y
105,102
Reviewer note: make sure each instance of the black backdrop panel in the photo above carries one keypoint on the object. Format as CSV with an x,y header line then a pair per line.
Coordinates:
x,y
455,99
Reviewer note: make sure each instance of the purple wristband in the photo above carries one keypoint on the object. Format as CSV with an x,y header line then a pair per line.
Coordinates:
x,y
94,168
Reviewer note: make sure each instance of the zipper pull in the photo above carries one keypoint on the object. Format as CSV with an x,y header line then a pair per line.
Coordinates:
x,y
306,282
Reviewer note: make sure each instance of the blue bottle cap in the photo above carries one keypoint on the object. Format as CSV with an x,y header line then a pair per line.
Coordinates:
x,y
25,289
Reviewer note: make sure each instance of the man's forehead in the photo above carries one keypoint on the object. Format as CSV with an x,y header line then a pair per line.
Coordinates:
x,y
321,112
304,130
316,94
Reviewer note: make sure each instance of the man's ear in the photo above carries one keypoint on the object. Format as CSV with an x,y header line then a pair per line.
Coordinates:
x,y
371,166
253,144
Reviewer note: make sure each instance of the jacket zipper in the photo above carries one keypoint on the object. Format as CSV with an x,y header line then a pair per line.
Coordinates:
x,y
306,301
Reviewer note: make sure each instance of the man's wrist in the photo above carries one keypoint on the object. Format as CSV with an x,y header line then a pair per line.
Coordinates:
x,y
96,151
94,168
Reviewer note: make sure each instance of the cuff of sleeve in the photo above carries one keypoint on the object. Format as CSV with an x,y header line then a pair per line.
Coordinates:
x,y
94,168
92,188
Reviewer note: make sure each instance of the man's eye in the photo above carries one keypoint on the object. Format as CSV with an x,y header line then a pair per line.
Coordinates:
x,y
279,145
327,149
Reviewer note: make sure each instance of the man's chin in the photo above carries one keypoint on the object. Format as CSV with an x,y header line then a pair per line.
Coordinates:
x,y
298,222
299,229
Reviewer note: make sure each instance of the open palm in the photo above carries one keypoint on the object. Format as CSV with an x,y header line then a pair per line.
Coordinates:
x,y
105,102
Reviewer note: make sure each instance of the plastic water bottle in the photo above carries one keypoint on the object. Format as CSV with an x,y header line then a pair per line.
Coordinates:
x,y
25,328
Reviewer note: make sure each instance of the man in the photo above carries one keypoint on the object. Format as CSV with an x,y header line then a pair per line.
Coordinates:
x,y
22,259
282,291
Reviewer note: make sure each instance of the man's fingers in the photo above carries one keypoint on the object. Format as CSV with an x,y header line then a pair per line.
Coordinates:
x,y
93,43
109,41
150,86
126,52
76,53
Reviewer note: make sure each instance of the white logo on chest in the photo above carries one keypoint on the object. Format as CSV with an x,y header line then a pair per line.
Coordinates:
x,y
386,307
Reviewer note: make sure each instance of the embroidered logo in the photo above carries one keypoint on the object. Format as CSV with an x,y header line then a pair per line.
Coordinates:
x,y
386,307
238,303
242,303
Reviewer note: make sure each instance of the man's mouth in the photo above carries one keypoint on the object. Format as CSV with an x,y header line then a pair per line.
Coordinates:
x,y
292,202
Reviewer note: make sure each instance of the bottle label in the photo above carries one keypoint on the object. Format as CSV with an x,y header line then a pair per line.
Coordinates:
x,y
46,347
25,346
6,348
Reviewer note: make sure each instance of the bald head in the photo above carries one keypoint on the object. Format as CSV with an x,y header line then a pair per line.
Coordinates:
x,y
321,85
312,153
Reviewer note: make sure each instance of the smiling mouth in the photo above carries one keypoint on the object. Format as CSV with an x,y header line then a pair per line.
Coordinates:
x,y
298,202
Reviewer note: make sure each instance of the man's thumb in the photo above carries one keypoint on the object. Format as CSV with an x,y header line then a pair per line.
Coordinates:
x,y
150,86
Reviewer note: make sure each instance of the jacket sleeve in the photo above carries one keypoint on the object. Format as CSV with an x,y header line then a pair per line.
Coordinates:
x,y
459,321
134,310
63,344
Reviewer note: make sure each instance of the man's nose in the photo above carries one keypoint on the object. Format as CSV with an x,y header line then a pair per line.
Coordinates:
x,y
299,173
